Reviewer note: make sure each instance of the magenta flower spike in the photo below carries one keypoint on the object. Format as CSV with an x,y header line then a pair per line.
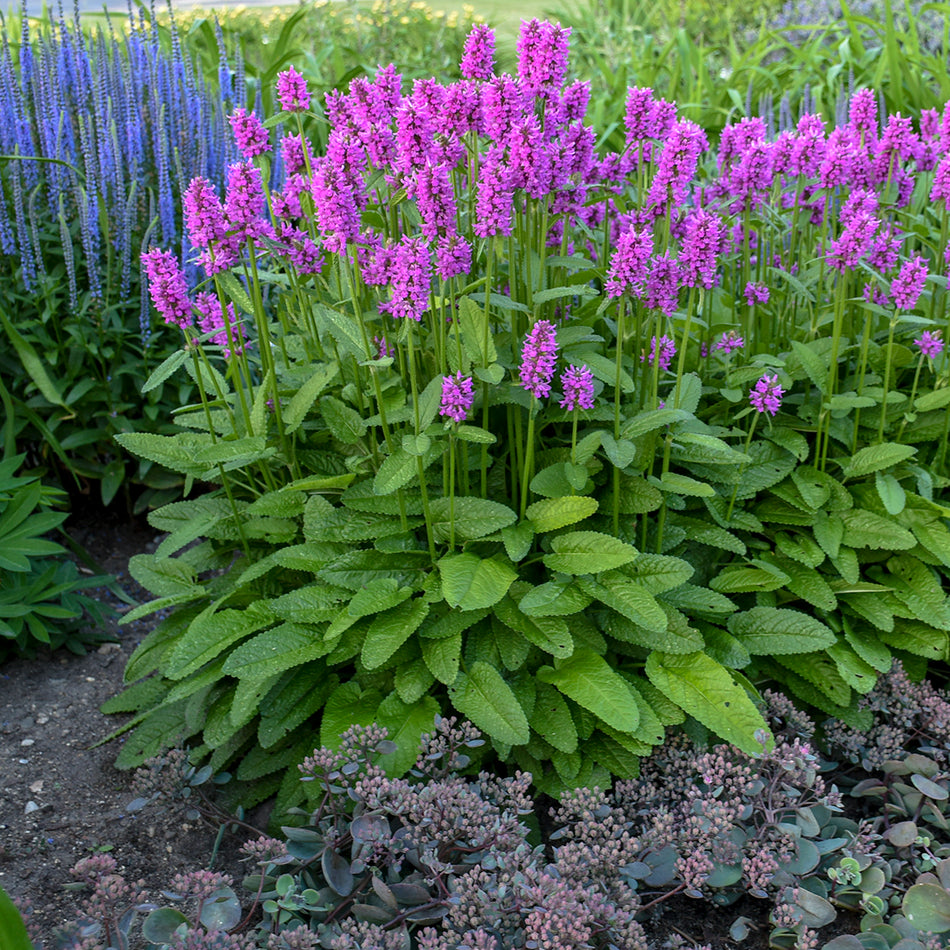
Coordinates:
x,y
542,56
577,384
730,341
767,395
700,248
930,344
665,347
630,263
907,286
458,394
211,319
249,133
411,278
538,358
756,293
292,91
478,56
166,285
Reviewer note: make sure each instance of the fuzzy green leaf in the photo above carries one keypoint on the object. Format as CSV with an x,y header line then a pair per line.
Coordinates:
x,y
867,529
348,705
588,552
551,719
587,679
301,401
390,630
474,517
276,650
405,724
550,634
774,630
296,696
396,471
442,657
378,595
485,698
706,691
553,513
470,582
874,458
554,599
628,597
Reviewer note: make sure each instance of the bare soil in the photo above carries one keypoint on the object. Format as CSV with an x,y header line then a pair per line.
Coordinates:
x,y
61,799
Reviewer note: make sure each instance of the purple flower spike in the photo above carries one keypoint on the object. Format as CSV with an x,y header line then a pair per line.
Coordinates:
x,y
756,293
542,56
906,287
930,344
292,91
458,394
767,395
538,358
730,341
211,319
667,350
166,285
249,133
478,58
383,349
577,382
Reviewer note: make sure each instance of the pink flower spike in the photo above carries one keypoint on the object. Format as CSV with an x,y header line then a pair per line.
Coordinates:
x,y
667,350
730,341
166,285
930,344
538,358
249,133
478,58
458,394
767,395
292,91
577,382
907,286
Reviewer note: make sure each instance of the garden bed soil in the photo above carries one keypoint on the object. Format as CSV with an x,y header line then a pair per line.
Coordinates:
x,y
62,799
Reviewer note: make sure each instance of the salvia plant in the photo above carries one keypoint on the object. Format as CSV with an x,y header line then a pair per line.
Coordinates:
x,y
99,136
578,445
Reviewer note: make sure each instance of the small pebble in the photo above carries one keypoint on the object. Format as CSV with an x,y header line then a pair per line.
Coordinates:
x,y
28,742
30,807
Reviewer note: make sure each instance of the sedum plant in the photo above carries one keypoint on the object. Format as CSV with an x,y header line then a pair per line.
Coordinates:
x,y
577,445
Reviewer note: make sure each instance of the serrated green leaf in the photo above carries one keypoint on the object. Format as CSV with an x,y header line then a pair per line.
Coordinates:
x,y
821,671
817,366
348,705
310,604
587,552
551,719
657,573
588,680
874,458
474,517
378,595
679,484
405,724
390,629
296,696
343,421
300,403
553,513
413,680
917,638
856,672
550,634
628,597
273,651
699,602
706,691
210,634
650,420
442,657
396,471
891,493
746,578
772,631
471,583
554,599
488,701
867,529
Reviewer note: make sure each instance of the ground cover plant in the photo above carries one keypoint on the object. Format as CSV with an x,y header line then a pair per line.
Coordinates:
x,y
578,445
440,861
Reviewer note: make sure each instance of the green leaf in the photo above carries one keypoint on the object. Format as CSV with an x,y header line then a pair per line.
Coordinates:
x,y
775,630
704,689
857,673
485,698
473,320
474,517
297,695
165,369
550,634
553,513
442,657
867,529
276,650
348,705
588,552
378,595
874,458
345,330
551,719
475,434
628,597
817,366
658,573
301,401
396,471
413,680
699,602
821,671
679,484
650,420
210,634
889,490
746,578
416,445
390,630
620,453
343,421
554,599
470,582
405,724
517,539
32,363
587,679
160,925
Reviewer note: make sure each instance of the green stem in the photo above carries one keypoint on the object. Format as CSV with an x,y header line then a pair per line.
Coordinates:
x,y
526,474
887,374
